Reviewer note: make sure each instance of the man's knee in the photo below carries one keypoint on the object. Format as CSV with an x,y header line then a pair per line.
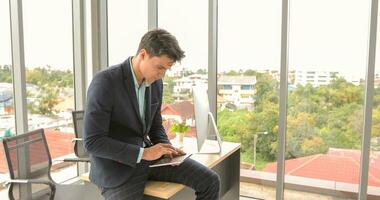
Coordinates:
x,y
215,179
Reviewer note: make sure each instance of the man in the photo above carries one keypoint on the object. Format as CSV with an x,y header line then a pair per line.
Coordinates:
x,y
123,129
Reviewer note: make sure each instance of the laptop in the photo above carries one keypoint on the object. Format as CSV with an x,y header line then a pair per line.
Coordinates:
x,y
170,161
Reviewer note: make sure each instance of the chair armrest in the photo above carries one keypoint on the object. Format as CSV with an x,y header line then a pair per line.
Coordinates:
x,y
34,181
77,140
76,160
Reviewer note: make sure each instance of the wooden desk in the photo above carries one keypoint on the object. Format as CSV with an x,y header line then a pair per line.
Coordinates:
x,y
226,164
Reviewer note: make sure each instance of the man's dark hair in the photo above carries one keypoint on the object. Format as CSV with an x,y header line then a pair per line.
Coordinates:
x,y
159,42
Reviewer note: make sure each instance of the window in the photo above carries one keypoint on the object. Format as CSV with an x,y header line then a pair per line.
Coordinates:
x,y
246,87
324,122
127,23
241,119
374,157
227,87
49,73
6,87
177,17
7,117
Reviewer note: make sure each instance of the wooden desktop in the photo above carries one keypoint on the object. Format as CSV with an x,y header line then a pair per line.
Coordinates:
x,y
226,164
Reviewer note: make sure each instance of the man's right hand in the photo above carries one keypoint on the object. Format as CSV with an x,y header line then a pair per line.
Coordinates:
x,y
156,151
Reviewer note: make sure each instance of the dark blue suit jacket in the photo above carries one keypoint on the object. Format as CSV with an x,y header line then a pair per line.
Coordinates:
x,y
113,132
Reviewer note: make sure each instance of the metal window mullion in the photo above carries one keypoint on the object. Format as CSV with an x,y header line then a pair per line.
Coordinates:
x,y
18,66
212,55
152,14
79,53
283,100
19,88
368,105
79,57
99,35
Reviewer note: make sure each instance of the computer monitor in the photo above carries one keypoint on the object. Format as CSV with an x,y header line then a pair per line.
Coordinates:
x,y
204,120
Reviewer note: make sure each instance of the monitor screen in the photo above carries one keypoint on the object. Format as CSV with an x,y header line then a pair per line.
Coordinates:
x,y
201,110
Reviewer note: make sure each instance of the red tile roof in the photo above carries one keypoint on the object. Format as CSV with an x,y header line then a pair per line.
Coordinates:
x,y
185,109
339,165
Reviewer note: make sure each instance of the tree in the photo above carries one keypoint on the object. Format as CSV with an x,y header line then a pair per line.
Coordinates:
x,y
42,76
232,73
46,100
250,72
168,90
6,73
376,122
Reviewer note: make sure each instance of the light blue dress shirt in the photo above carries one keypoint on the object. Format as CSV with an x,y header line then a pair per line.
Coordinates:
x,y
140,93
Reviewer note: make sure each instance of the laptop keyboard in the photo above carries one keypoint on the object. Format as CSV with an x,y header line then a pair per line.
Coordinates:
x,y
171,160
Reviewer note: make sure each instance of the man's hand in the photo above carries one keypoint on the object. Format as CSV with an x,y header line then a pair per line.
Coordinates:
x,y
156,151
180,152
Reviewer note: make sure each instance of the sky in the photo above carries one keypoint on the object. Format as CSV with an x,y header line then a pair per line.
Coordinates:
x,y
325,35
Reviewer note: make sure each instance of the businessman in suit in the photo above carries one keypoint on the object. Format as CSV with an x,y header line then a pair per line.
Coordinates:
x,y
123,130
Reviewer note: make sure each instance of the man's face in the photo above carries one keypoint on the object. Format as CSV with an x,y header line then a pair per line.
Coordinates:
x,y
154,67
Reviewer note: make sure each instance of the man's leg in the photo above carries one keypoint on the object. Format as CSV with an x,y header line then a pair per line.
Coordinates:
x,y
203,180
133,189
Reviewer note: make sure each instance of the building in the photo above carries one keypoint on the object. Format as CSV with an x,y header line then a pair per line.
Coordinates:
x,y
313,77
237,90
339,165
183,86
178,112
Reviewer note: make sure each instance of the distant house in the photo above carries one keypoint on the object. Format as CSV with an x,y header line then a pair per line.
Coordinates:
x,y
183,86
340,165
178,112
237,90
313,77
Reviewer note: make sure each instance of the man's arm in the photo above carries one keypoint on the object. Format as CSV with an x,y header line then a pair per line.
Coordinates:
x,y
97,122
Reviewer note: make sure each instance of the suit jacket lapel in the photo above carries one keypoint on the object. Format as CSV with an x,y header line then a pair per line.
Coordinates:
x,y
148,121
130,87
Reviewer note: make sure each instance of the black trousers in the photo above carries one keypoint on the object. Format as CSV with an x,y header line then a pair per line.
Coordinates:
x,y
203,180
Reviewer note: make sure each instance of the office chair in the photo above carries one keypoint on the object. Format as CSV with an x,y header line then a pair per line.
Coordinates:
x,y
79,150
29,163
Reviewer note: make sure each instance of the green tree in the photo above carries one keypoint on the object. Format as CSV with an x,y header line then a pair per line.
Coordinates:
x,y
232,73
46,100
6,73
42,76
168,90
376,122
250,72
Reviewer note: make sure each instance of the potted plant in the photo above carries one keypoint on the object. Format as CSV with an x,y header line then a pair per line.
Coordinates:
x,y
180,129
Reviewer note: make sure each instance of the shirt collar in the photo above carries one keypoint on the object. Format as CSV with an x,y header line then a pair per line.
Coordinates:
x,y
134,75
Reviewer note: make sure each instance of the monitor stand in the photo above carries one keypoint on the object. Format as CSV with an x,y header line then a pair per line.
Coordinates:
x,y
212,144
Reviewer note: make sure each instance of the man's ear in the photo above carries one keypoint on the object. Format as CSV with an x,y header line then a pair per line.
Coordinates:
x,y
143,54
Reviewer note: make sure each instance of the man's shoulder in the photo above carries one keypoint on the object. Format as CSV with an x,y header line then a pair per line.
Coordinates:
x,y
109,73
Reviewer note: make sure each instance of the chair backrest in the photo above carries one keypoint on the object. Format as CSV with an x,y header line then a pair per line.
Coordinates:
x,y
28,157
79,149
